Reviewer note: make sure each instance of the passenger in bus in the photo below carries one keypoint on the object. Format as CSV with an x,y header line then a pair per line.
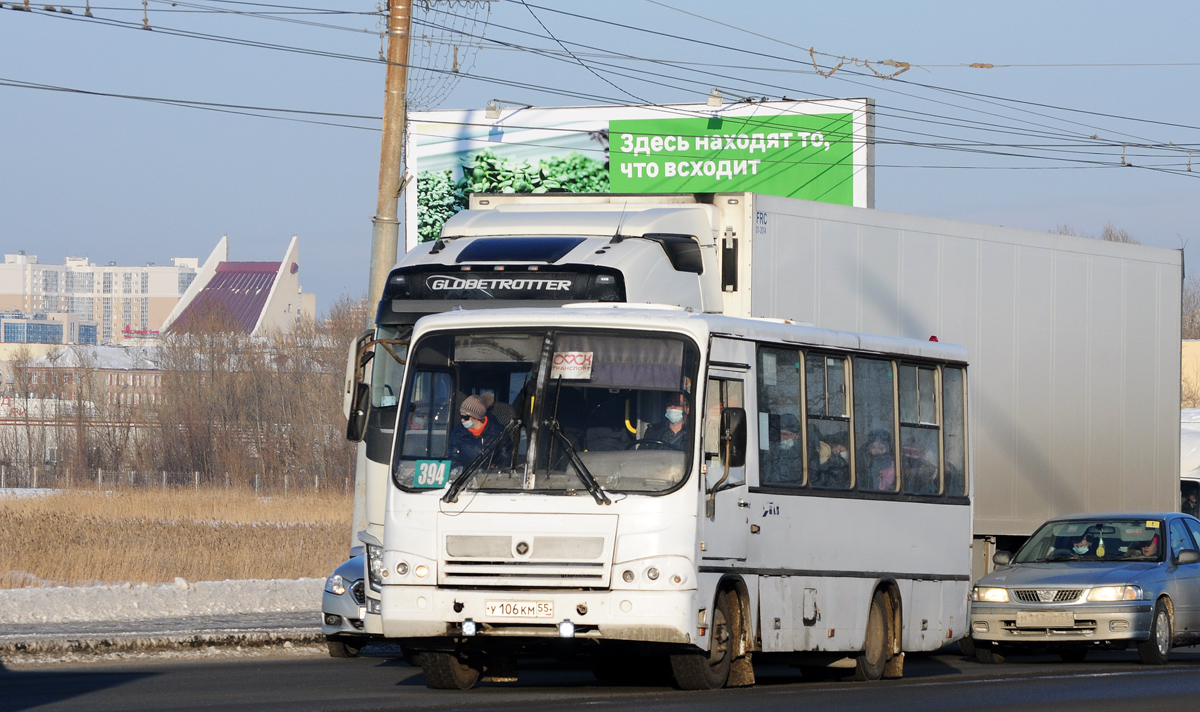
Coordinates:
x,y
829,463
477,429
671,434
781,463
919,469
877,463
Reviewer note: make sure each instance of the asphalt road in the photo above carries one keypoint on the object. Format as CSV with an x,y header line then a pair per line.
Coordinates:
x,y
1107,681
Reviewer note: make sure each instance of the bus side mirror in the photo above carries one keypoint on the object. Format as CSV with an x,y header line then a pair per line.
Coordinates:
x,y
733,435
1001,558
360,405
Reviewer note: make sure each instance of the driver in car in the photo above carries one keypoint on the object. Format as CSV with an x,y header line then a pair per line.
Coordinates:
x,y
672,432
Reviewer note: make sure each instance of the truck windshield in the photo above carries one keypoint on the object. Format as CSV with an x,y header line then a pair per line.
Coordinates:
x,y
547,411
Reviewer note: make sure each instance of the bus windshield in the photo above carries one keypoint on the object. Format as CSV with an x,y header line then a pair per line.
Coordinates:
x,y
566,412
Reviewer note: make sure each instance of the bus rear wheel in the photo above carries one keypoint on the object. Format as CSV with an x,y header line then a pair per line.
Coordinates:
x,y
446,671
710,671
877,645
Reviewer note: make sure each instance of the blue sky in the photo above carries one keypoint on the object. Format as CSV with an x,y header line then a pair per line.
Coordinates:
x,y
135,181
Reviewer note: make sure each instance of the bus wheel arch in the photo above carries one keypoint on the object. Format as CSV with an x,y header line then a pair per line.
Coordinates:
x,y
727,660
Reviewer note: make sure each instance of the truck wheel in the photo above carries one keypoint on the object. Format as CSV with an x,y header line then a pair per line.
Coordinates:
x,y
1157,650
877,645
445,671
988,655
342,649
710,671
966,646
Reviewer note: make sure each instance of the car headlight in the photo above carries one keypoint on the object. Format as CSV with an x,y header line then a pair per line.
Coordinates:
x,y
375,566
1115,593
989,594
335,584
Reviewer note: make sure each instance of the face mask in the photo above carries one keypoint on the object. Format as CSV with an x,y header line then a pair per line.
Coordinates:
x,y
675,415
1080,549
787,444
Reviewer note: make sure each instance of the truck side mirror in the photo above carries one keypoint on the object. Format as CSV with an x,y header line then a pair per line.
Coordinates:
x,y
1002,558
733,434
360,405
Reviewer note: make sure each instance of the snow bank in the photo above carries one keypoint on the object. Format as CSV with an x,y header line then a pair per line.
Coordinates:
x,y
173,600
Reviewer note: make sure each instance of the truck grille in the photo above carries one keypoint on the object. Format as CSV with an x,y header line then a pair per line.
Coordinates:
x,y
1047,595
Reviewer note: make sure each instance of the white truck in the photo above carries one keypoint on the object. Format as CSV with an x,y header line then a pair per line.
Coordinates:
x,y
1073,342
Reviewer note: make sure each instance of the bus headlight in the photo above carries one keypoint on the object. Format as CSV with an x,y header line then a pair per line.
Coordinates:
x,y
1115,593
989,594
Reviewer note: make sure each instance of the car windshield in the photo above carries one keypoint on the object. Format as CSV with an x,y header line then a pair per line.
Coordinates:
x,y
1095,540
547,411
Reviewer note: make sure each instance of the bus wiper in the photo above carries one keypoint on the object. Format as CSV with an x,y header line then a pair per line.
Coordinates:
x,y
484,455
585,475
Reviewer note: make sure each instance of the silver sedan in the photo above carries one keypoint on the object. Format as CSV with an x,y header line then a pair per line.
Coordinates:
x,y
1093,581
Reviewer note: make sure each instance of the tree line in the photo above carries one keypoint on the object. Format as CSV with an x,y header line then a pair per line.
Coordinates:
x,y
227,409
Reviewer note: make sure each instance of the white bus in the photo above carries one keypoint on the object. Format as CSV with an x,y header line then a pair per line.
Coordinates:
x,y
649,485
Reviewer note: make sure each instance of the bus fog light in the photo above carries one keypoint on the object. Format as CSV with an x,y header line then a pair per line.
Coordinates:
x,y
677,579
468,628
566,629
402,569
652,573
422,571
627,576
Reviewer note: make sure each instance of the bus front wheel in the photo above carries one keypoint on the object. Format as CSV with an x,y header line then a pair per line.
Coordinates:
x,y
710,671
446,671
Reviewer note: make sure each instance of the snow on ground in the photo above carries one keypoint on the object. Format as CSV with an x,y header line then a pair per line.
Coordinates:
x,y
18,492
139,602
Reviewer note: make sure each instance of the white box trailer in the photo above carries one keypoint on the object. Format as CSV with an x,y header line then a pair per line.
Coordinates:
x,y
1074,342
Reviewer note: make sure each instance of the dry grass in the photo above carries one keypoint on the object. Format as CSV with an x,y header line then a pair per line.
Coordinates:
x,y
152,536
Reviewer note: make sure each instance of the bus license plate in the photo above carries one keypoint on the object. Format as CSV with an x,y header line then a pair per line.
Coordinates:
x,y
519,609
1045,619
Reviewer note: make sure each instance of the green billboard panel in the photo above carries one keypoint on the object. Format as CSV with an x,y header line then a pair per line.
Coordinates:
x,y
808,156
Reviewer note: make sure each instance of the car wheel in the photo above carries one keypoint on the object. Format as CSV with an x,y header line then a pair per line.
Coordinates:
x,y
342,649
1073,655
987,655
876,647
446,671
710,671
1157,650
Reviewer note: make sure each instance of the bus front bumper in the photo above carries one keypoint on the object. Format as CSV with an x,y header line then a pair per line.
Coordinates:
x,y
644,616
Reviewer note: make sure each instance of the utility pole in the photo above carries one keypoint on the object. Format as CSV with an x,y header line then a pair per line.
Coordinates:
x,y
386,225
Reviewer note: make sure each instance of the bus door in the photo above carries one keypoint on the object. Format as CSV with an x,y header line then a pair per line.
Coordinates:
x,y
724,528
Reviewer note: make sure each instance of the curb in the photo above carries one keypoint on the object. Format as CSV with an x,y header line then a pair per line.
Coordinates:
x,y
143,643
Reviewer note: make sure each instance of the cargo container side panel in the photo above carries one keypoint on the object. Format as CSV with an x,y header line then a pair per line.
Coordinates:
x,y
838,275
1167,360
879,277
919,285
1106,295
1033,384
1069,400
785,269
993,378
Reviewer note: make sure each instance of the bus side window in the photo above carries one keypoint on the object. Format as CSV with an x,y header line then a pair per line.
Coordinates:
x,y
828,417
874,428
920,460
954,430
780,437
720,393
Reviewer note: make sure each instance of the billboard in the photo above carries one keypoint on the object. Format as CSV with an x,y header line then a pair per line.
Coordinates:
x,y
816,150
